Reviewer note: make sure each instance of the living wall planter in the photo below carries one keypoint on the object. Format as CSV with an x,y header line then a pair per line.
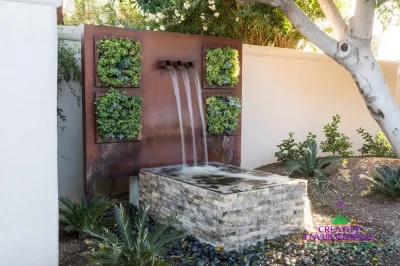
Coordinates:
x,y
120,116
226,65
118,62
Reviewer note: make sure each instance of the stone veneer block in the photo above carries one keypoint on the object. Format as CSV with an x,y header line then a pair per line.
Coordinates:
x,y
225,205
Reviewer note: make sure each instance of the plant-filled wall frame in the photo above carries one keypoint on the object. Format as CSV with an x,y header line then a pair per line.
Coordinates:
x,y
130,95
232,62
126,72
206,108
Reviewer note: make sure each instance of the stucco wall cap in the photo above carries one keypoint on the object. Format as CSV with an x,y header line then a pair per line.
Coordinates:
x,y
54,3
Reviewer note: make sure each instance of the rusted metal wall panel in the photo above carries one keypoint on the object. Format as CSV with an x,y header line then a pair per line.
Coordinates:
x,y
160,142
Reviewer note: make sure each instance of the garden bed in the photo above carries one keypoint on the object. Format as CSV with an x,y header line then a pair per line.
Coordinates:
x,y
346,185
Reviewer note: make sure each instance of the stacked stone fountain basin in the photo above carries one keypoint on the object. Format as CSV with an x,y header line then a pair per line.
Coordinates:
x,y
225,205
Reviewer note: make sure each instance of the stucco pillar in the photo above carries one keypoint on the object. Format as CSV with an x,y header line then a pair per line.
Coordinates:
x,y
28,133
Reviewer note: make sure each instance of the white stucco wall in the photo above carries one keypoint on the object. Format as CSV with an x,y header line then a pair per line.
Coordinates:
x,y
70,138
28,158
292,91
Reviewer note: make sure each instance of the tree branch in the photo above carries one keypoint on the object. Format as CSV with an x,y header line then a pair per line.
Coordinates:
x,y
362,22
334,18
308,28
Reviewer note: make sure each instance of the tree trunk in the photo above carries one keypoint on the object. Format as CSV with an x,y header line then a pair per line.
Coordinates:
x,y
372,86
352,50
60,16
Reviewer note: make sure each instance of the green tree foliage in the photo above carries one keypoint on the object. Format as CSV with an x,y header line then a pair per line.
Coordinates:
x,y
139,247
252,23
336,142
309,165
377,145
388,12
76,216
222,114
385,181
118,115
222,66
113,13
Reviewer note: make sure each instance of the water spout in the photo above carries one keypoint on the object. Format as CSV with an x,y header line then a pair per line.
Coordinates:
x,y
174,78
189,99
200,101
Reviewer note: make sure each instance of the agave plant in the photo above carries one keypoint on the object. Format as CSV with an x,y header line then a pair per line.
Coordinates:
x,y
310,166
139,247
76,216
385,181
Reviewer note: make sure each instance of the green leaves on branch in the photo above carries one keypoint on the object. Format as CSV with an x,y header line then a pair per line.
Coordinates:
x,y
120,62
336,142
118,115
290,150
385,181
222,114
377,145
222,66
139,247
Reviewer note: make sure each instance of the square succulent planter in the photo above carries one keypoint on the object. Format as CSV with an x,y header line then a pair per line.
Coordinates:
x,y
207,95
206,85
117,139
97,81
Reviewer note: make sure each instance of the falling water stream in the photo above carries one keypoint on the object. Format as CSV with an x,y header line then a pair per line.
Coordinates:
x,y
174,78
200,101
189,100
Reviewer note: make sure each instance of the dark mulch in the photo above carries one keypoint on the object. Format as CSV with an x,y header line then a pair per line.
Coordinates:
x,y
70,249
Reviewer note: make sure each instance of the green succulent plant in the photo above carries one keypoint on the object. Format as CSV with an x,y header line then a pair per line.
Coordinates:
x,y
310,166
385,181
76,216
144,248
118,115
222,66
119,63
222,114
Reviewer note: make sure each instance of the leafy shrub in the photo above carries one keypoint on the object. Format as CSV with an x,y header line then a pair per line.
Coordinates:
x,y
139,247
290,150
76,216
118,115
385,181
222,66
309,166
377,145
336,142
222,114
120,62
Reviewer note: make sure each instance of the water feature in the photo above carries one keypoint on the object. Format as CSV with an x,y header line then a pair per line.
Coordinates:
x,y
226,205
200,101
189,100
174,78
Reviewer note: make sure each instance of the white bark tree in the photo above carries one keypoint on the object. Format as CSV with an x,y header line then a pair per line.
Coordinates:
x,y
351,48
